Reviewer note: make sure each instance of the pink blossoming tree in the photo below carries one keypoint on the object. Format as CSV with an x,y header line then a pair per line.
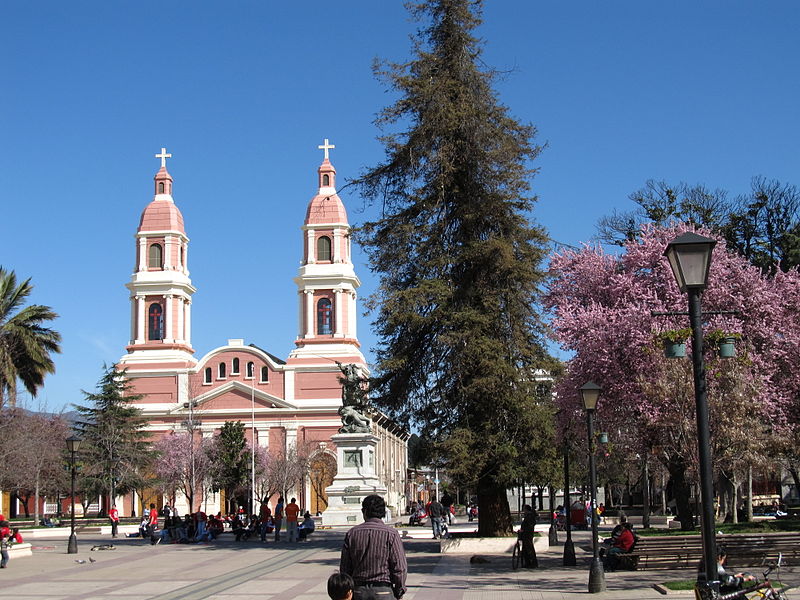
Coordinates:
x,y
602,307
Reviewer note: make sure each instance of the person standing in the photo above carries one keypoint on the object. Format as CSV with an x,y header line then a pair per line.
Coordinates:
x,y
292,512
152,525
113,516
277,518
437,515
5,542
373,555
265,517
526,533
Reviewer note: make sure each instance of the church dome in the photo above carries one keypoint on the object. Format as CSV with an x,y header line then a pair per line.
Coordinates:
x,y
326,206
326,209
161,215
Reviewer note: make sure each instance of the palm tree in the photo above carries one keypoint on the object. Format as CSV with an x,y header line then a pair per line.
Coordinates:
x,y
25,344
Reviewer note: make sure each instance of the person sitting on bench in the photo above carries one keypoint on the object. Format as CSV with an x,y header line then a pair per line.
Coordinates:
x,y
623,544
306,528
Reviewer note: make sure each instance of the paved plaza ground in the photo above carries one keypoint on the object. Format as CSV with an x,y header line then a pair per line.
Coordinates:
x,y
229,570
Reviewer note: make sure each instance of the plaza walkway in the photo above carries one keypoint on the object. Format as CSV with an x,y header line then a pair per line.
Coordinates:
x,y
227,570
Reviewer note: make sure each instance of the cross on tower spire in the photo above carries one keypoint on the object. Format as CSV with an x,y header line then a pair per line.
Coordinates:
x,y
326,146
164,156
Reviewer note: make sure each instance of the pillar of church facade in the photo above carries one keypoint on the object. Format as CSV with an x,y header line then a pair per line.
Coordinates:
x,y
338,311
140,319
309,313
187,334
168,310
142,253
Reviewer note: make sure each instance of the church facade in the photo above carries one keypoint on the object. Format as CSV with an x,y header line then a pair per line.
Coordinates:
x,y
288,406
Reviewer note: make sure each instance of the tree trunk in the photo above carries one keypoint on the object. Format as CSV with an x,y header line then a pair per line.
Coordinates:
x,y
645,494
36,502
681,490
494,515
750,492
735,499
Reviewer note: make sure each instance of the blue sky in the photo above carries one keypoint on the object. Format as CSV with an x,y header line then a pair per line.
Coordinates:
x,y
241,93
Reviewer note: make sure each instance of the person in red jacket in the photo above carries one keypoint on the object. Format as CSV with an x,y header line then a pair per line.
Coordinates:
x,y
5,542
113,516
152,525
623,544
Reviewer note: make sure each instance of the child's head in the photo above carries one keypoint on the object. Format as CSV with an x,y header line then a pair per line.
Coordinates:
x,y
340,586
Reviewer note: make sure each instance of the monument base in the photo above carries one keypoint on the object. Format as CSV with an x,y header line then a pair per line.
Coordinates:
x,y
355,478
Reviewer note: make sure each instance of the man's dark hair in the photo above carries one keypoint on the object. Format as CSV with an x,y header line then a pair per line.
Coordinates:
x,y
374,507
339,584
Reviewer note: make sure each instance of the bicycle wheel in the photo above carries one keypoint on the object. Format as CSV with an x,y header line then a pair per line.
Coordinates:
x,y
516,557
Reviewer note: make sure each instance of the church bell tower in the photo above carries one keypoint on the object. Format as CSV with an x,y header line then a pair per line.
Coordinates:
x,y
160,287
327,282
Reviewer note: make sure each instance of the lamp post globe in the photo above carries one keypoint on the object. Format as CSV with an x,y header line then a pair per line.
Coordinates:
x,y
689,257
590,393
73,445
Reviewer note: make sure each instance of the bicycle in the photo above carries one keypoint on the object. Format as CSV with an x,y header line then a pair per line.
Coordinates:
x,y
516,554
760,590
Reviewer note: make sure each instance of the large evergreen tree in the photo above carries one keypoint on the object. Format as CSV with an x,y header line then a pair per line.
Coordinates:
x,y
230,469
26,344
115,450
459,260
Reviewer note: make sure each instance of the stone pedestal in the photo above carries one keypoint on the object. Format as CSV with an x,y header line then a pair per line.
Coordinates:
x,y
355,478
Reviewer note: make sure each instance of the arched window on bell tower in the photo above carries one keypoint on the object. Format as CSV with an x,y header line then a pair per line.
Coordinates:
x,y
326,180
155,322
155,257
160,187
324,248
324,317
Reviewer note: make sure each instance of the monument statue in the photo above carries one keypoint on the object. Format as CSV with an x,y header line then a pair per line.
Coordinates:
x,y
354,407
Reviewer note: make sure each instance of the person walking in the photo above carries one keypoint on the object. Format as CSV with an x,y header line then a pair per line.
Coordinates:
x,y
436,512
292,512
277,518
372,554
113,516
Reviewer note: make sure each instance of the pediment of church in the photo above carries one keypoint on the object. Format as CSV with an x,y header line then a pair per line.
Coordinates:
x,y
236,395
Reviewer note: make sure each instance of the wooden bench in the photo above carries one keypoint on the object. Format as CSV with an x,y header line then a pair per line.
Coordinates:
x,y
686,551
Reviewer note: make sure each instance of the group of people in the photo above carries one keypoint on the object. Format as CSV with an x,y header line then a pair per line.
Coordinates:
x,y
201,528
296,530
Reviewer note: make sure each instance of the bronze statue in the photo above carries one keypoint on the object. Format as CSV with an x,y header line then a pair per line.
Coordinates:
x,y
354,407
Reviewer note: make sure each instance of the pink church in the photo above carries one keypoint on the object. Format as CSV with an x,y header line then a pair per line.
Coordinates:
x,y
286,405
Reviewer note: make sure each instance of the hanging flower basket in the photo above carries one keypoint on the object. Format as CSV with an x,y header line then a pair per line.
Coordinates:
x,y
727,348
724,342
674,342
674,349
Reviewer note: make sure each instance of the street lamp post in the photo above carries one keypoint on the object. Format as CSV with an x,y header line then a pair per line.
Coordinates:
x,y
191,424
597,577
73,445
689,257
253,444
569,547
